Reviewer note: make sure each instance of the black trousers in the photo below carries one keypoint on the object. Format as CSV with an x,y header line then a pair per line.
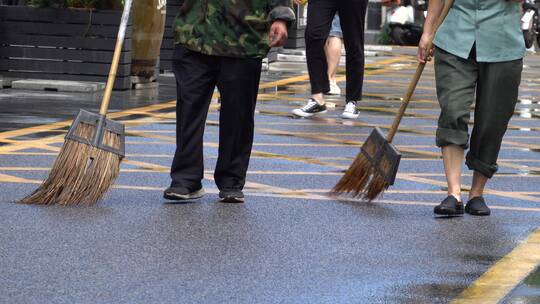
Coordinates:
x,y
352,14
237,80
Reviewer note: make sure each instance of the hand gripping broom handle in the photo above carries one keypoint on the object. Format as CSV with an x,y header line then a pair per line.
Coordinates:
x,y
416,78
116,58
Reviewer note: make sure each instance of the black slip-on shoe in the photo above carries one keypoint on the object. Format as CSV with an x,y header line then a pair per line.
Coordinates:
x,y
477,206
182,193
449,207
231,196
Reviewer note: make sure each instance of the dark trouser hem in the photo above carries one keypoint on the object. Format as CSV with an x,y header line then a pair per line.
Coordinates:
x,y
320,89
237,185
188,185
445,137
475,164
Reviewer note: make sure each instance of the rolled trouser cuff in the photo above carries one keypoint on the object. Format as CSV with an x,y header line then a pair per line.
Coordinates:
x,y
446,137
477,165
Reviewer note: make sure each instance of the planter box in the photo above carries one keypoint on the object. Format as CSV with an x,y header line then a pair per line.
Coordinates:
x,y
167,45
62,44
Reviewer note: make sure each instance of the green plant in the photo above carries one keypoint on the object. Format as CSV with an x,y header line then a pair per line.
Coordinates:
x,y
384,35
46,3
81,3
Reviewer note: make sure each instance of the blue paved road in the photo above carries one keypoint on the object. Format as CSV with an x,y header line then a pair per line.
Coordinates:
x,y
289,243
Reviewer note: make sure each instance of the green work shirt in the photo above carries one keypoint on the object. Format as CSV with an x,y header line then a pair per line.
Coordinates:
x,y
494,25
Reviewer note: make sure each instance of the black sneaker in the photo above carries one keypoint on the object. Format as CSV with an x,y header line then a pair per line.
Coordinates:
x,y
231,196
477,206
182,193
310,109
449,207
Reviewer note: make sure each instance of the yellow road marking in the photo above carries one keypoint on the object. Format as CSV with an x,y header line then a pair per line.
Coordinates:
x,y
278,192
41,144
168,117
4,178
146,165
314,161
65,123
513,195
345,143
321,158
403,191
149,167
132,132
160,106
505,275
208,176
405,176
305,77
519,167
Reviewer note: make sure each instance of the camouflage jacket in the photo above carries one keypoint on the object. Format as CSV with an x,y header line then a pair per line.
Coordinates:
x,y
232,28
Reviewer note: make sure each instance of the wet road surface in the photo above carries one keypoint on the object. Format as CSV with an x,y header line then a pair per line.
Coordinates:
x,y
290,242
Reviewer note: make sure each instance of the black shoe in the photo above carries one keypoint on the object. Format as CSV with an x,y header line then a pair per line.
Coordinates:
x,y
310,109
477,206
231,196
449,206
182,193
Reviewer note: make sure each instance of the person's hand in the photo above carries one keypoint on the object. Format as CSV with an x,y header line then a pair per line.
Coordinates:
x,y
300,2
278,33
424,55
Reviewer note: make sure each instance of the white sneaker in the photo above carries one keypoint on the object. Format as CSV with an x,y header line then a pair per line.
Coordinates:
x,y
350,112
334,89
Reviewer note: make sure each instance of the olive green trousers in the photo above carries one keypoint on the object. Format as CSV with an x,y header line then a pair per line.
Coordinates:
x,y
496,87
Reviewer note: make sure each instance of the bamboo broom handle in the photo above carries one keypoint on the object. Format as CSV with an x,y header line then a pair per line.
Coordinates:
x,y
116,58
416,78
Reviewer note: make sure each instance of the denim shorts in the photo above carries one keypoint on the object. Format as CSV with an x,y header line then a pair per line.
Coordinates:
x,y
335,30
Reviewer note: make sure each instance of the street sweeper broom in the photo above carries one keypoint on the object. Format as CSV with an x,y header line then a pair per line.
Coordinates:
x,y
376,166
89,160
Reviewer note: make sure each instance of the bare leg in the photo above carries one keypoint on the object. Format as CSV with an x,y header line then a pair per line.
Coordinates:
x,y
332,49
478,184
319,98
453,157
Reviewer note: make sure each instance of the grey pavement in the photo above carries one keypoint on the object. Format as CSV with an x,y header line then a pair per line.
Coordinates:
x,y
290,242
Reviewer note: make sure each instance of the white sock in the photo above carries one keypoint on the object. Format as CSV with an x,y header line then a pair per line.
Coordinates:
x,y
320,102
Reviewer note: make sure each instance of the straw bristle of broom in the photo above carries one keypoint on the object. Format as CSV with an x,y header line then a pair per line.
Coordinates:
x,y
356,177
81,174
362,179
378,183
376,187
